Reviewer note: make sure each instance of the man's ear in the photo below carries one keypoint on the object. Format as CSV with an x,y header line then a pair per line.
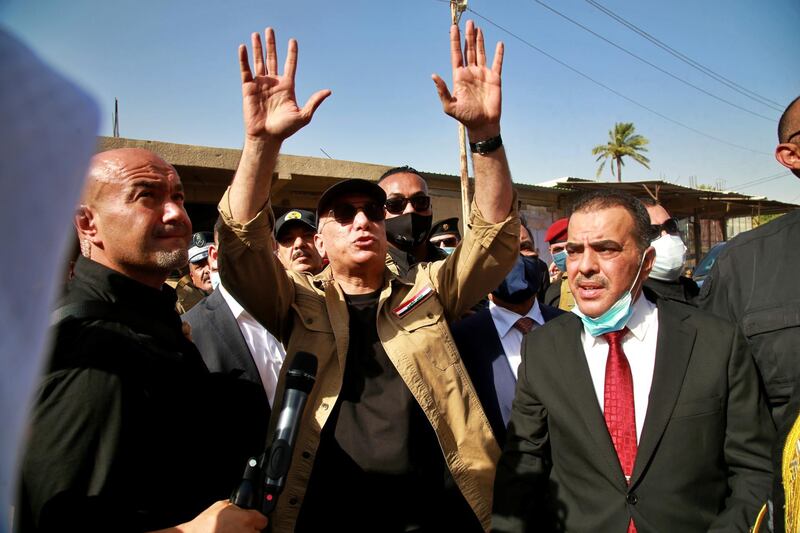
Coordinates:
x,y
86,224
649,260
213,255
319,244
788,155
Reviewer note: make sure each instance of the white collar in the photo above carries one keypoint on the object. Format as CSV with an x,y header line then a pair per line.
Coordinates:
x,y
504,319
639,322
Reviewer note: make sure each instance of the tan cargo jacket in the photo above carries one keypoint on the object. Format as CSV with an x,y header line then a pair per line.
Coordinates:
x,y
310,314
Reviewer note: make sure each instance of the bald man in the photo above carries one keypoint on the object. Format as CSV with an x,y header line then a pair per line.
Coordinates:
x,y
120,436
754,283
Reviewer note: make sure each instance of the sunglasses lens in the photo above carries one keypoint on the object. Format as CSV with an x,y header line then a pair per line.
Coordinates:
x,y
396,205
344,213
421,203
671,226
374,212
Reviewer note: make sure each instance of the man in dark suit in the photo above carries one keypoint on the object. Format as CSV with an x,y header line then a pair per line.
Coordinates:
x,y
231,341
631,413
490,340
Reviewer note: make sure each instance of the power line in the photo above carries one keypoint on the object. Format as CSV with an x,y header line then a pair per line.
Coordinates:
x,y
606,87
646,62
688,60
761,181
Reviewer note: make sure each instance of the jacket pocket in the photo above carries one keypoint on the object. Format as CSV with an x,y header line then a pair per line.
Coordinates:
x,y
311,312
772,319
773,334
702,406
427,334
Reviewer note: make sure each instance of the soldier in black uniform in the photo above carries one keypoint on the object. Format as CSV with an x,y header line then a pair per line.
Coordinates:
x,y
754,283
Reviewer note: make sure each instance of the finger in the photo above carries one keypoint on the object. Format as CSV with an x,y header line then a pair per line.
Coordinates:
x,y
313,103
244,64
456,59
480,49
257,520
497,65
444,93
272,54
258,55
290,66
469,43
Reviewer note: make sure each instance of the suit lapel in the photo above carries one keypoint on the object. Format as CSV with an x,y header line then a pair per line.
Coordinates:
x,y
673,350
575,371
231,336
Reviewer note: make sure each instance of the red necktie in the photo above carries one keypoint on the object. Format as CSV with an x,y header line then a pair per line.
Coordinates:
x,y
524,324
619,410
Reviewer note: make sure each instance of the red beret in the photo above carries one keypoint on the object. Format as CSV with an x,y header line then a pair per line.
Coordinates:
x,y
557,232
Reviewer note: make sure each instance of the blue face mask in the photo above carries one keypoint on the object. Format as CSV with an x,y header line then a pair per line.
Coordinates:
x,y
616,317
560,259
449,249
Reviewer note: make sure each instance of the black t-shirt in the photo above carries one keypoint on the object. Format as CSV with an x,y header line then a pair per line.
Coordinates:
x,y
379,466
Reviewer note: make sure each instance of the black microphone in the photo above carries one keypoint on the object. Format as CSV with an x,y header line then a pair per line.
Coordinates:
x,y
274,463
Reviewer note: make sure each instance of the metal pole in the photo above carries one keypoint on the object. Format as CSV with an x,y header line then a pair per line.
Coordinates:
x,y
457,7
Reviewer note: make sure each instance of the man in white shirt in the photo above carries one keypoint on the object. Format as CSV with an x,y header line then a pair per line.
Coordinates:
x,y
490,340
631,413
232,341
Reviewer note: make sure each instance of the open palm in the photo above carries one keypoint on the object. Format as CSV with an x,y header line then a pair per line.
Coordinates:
x,y
476,97
269,105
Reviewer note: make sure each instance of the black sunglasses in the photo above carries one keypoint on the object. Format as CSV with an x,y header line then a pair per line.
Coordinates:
x,y
450,242
670,226
795,134
396,205
345,213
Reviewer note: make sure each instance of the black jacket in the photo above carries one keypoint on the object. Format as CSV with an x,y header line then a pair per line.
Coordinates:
x,y
754,283
127,433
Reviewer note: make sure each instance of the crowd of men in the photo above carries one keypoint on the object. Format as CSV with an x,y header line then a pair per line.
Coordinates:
x,y
462,383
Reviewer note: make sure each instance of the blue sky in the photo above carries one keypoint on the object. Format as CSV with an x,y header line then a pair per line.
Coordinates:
x,y
173,66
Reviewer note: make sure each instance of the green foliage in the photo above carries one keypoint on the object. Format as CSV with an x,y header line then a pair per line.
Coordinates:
x,y
758,220
623,142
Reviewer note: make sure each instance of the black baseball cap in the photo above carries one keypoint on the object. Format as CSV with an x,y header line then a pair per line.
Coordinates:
x,y
295,217
350,186
447,226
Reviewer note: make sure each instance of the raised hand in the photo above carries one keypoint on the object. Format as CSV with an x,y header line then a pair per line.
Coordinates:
x,y
269,105
476,97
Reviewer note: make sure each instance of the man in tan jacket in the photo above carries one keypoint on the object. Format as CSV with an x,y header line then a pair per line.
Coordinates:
x,y
393,437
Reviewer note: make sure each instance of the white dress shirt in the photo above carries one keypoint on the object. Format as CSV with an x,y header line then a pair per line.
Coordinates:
x,y
640,349
267,351
511,337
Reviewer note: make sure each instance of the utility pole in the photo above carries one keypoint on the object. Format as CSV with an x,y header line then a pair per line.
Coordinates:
x,y
116,118
457,8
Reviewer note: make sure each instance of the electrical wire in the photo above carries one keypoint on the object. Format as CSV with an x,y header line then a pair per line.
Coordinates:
x,y
688,60
761,181
646,62
610,89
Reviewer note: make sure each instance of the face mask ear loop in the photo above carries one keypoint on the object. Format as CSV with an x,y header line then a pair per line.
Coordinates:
x,y
638,272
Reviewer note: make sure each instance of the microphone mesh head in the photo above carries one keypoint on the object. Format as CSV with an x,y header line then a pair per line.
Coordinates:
x,y
302,372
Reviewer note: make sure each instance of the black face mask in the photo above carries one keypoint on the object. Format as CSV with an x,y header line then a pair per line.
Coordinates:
x,y
408,231
521,283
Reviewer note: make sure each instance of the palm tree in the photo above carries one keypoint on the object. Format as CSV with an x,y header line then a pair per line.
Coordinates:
x,y
622,142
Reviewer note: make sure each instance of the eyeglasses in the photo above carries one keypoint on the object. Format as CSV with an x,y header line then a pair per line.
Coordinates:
x,y
396,205
345,213
795,134
447,242
670,226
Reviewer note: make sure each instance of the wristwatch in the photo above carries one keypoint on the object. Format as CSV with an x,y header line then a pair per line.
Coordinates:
x,y
487,146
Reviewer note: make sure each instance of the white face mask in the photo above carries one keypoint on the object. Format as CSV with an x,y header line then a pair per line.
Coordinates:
x,y
215,279
670,257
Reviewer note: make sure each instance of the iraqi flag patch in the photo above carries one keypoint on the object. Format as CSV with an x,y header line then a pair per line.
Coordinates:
x,y
406,307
